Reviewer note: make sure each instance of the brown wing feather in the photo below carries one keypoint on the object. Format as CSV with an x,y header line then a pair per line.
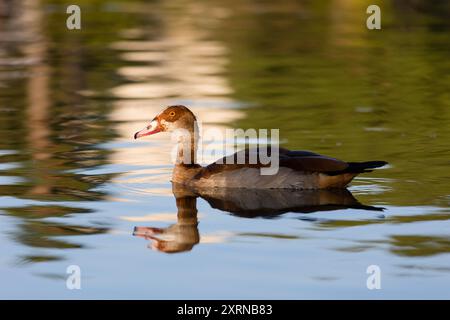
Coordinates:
x,y
296,160
313,163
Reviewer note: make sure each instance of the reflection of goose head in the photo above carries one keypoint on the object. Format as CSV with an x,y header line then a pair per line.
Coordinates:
x,y
179,237
184,235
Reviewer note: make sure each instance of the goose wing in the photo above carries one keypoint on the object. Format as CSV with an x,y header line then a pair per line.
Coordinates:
x,y
304,161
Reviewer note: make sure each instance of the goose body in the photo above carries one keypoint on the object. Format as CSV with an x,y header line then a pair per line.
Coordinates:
x,y
297,169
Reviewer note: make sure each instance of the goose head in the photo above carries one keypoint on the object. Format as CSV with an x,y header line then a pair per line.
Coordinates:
x,y
170,119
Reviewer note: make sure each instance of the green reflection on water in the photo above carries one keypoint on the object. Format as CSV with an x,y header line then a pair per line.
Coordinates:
x,y
334,87
50,129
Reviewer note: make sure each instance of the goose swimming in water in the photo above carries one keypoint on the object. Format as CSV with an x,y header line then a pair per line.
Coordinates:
x,y
297,169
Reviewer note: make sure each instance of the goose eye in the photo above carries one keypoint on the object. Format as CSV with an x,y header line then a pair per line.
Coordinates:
x,y
172,113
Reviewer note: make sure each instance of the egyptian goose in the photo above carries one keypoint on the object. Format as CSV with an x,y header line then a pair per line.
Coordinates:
x,y
297,169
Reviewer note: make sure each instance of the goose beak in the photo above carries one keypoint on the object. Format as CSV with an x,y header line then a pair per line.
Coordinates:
x,y
152,128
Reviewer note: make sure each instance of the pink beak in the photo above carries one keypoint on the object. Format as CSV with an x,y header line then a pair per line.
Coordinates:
x,y
152,128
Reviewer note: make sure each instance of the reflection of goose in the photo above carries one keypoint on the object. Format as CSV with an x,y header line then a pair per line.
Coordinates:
x,y
184,234
179,237
297,169
268,203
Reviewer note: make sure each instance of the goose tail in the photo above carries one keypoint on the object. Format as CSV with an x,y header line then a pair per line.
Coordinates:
x,y
359,167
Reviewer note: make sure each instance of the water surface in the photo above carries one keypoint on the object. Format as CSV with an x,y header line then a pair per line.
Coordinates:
x,y
74,185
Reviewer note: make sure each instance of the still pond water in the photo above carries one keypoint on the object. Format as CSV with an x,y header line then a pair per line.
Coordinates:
x,y
74,184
